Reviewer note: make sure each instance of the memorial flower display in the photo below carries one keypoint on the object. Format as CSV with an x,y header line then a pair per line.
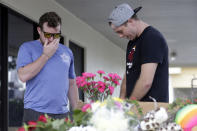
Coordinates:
x,y
111,114
114,114
106,113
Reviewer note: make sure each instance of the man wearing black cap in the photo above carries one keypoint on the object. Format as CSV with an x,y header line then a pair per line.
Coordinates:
x,y
146,59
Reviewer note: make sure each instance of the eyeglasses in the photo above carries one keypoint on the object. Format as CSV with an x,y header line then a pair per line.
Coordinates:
x,y
49,35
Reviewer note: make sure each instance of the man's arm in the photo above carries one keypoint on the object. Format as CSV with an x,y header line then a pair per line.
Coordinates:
x,y
123,88
145,80
29,71
73,94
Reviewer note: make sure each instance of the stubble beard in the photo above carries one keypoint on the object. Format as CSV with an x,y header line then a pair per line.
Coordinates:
x,y
42,42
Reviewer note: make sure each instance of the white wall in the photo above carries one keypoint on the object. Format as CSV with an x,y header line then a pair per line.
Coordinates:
x,y
100,53
184,78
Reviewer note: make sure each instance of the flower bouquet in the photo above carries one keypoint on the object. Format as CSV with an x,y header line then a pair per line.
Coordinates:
x,y
100,89
113,114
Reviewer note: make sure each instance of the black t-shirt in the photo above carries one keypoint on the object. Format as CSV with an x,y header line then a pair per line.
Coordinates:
x,y
149,47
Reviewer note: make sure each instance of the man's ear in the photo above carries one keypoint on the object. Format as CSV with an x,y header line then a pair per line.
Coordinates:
x,y
39,30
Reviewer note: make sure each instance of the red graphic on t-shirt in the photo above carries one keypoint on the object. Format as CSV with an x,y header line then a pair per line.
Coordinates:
x,y
130,56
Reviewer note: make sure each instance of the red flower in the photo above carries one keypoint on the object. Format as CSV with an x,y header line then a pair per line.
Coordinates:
x,y
66,119
21,129
32,125
133,98
42,118
187,102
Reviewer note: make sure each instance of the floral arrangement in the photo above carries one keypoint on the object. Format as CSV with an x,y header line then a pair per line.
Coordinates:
x,y
100,89
113,114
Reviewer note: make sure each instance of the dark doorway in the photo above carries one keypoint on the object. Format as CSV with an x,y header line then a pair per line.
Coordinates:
x,y
78,53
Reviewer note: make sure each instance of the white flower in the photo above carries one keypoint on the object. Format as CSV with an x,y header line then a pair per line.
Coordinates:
x,y
154,119
80,128
161,115
95,106
105,119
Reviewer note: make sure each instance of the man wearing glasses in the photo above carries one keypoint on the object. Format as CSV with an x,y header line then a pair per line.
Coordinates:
x,y
146,59
47,67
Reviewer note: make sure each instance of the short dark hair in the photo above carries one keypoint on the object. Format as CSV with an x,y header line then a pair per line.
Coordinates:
x,y
52,18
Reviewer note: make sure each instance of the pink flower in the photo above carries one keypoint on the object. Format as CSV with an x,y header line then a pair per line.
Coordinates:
x,y
95,89
21,129
116,82
114,76
100,72
117,76
81,81
100,83
101,90
85,89
111,89
88,75
84,83
111,76
93,83
106,78
118,105
89,83
85,107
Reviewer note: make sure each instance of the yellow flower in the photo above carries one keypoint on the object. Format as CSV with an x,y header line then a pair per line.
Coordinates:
x,y
130,113
103,103
118,99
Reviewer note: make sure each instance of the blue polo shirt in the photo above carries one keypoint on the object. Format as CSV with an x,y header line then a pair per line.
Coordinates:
x,y
47,91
